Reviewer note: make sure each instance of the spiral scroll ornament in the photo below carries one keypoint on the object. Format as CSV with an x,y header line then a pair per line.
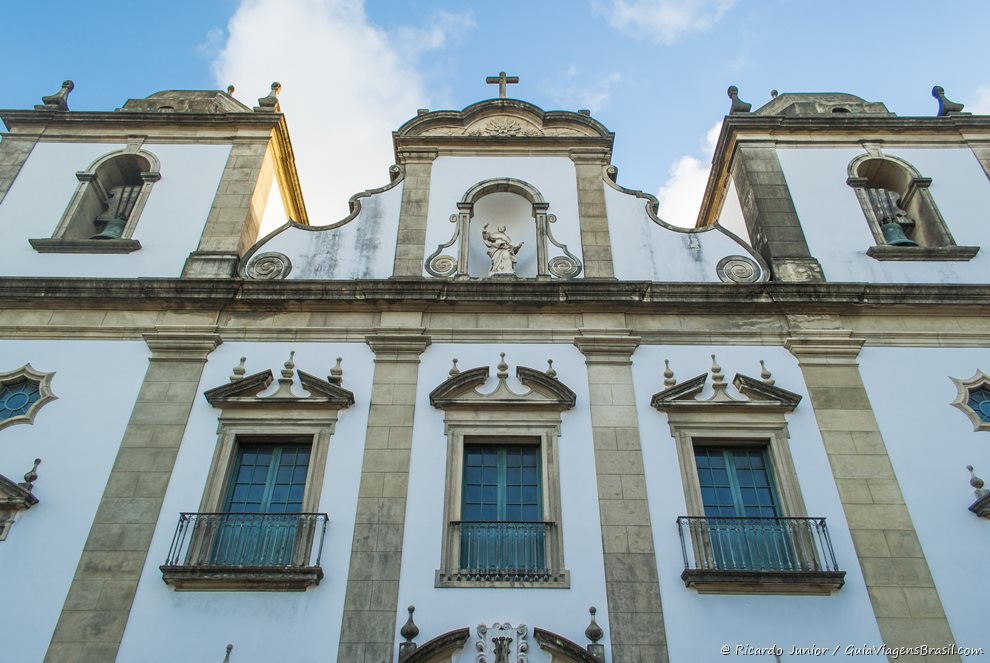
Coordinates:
x,y
270,266
563,267
738,269
442,266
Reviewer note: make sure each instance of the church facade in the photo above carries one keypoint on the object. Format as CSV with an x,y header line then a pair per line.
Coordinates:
x,y
502,412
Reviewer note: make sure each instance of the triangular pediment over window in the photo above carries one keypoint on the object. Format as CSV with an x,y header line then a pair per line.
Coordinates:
x,y
759,394
460,390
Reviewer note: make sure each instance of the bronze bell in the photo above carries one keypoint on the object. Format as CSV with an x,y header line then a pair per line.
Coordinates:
x,y
114,229
893,235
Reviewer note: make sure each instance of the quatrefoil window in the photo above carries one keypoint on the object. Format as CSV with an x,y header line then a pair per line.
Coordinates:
x,y
973,399
22,393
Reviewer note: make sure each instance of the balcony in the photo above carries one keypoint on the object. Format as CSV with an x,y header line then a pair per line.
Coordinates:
x,y
758,556
246,552
502,554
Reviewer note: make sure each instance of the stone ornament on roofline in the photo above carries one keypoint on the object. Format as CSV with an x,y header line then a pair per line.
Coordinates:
x,y
16,497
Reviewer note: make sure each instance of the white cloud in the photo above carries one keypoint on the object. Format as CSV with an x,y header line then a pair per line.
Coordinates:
x,y
211,44
346,85
680,196
981,104
576,91
664,21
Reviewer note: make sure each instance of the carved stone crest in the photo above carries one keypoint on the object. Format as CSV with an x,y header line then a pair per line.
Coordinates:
x,y
502,643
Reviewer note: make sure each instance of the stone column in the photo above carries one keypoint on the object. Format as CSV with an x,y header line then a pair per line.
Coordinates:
x,y
371,600
905,601
632,584
238,209
596,246
100,596
770,216
14,151
410,249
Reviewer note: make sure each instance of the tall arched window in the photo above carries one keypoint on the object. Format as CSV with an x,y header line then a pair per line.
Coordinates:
x,y
106,206
899,208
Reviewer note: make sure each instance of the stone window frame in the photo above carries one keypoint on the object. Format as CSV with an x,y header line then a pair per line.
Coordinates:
x,y
942,246
281,418
964,389
726,421
502,416
59,243
43,381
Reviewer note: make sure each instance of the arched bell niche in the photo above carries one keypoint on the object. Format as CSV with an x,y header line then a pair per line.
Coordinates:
x,y
509,212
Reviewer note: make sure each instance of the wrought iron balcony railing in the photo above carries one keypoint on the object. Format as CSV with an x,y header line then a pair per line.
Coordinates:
x,y
265,548
503,551
778,550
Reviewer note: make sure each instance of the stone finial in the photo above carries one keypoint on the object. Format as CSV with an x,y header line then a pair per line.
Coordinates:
x,y
981,506
270,103
945,107
718,377
285,382
738,105
454,371
289,365
239,371
230,90
773,94
422,111
551,372
58,101
230,648
409,629
974,481
31,476
503,368
668,375
765,374
337,373
594,633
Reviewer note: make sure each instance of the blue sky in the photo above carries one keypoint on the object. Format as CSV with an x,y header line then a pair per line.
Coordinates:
x,y
653,71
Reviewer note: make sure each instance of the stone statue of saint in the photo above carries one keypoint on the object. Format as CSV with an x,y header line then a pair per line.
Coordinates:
x,y
501,250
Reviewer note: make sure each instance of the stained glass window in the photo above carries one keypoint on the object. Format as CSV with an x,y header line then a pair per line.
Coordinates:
x,y
17,398
979,400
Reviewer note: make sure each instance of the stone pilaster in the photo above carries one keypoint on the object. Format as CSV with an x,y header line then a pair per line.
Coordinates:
x,y
905,600
99,600
410,249
632,583
596,246
372,594
981,150
238,209
771,219
14,151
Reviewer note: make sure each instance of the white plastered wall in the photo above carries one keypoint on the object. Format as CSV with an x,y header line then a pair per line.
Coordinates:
x,y
166,625
642,250
837,231
362,248
554,177
563,611
698,625
77,437
169,228
930,443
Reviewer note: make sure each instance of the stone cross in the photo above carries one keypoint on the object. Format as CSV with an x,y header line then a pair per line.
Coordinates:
x,y
502,81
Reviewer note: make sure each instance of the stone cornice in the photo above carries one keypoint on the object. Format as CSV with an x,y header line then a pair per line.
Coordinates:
x,y
15,119
420,294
